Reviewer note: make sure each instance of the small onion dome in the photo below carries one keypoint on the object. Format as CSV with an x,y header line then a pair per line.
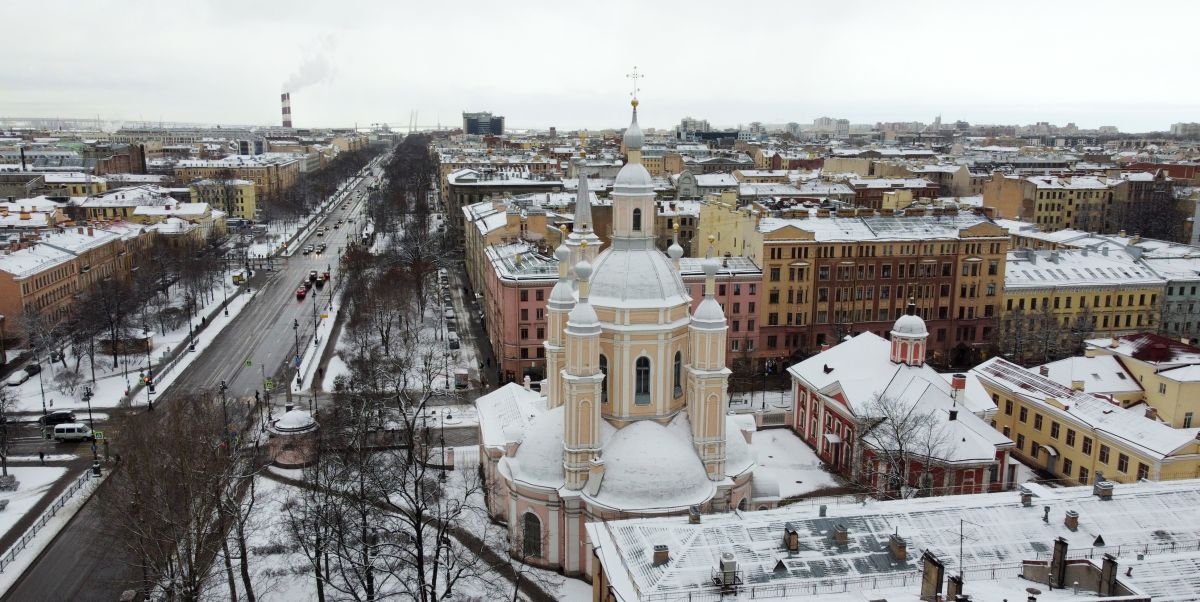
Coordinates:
x,y
675,251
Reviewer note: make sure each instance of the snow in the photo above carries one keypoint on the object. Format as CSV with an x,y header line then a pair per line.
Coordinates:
x,y
34,482
539,459
782,456
113,377
649,466
46,534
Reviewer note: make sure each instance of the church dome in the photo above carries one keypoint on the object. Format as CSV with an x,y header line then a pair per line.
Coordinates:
x,y
911,325
633,134
647,466
640,276
633,179
540,456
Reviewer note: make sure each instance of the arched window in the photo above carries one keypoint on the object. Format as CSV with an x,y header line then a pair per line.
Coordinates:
x,y
531,536
641,391
604,385
678,374
637,220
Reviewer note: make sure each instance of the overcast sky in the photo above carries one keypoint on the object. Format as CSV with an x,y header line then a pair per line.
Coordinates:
x,y
1129,64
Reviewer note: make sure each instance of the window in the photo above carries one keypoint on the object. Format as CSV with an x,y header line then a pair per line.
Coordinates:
x,y
1037,421
1067,466
1122,463
1104,453
641,392
1071,437
1021,442
539,294
1187,420
1087,445
1054,429
1143,471
1008,407
604,385
678,374
1034,448
775,278
1162,388
531,536
637,220
524,295
524,333
1024,415
1083,475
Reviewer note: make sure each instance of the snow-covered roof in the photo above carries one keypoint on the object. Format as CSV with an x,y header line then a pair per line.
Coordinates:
x,y
1163,353
146,194
1034,269
182,210
505,413
1101,374
53,248
1153,438
835,229
1000,533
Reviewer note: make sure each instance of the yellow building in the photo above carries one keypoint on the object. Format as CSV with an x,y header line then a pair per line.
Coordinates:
x,y
1080,437
271,173
76,184
1167,371
235,197
1053,202
1074,294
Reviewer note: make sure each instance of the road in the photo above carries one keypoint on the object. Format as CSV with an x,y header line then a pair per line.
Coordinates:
x,y
81,563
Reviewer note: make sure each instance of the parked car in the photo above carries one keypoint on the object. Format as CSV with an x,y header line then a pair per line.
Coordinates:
x,y
307,284
72,431
17,378
312,275
32,369
58,417
301,293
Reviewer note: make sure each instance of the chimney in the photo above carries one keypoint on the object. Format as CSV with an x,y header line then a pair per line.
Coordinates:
x,y
1108,575
91,232
1077,384
1072,520
824,347
510,448
958,384
1103,490
1026,497
791,538
953,414
898,547
661,554
1151,413
694,515
1044,370
841,535
527,379
286,100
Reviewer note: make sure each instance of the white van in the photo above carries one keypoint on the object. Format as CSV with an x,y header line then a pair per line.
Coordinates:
x,y
72,431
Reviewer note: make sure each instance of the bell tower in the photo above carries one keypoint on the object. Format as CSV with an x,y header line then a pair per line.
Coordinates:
x,y
708,378
909,337
582,379
562,300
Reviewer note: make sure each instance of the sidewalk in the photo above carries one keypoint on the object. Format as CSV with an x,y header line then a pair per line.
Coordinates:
x,y
74,468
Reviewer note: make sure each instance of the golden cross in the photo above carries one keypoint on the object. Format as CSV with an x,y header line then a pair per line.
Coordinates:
x,y
635,76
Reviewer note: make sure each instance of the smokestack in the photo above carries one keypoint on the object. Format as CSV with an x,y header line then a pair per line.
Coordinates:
x,y
286,100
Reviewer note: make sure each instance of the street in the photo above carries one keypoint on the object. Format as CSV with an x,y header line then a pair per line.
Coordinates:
x,y
81,563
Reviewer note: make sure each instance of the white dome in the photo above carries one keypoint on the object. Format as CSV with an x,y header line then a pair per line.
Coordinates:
x,y
294,421
633,179
540,456
641,276
911,325
675,251
633,134
647,467
708,315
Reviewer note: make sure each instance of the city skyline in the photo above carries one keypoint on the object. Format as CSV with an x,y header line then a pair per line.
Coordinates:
x,y
541,65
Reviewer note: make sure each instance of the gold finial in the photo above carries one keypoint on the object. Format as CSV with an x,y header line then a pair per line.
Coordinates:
x,y
712,238
562,228
675,227
583,244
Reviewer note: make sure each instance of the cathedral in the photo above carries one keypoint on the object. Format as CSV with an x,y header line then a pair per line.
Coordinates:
x,y
632,419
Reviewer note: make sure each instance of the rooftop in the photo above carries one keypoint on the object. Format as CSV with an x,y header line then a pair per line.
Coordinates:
x,y
1029,268
871,227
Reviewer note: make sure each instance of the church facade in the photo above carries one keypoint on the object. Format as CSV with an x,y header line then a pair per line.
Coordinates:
x,y
632,419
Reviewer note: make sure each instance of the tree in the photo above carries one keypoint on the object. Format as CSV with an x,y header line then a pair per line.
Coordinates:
x,y
7,406
902,436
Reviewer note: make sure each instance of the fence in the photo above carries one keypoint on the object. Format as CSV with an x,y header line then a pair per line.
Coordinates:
x,y
1145,549
32,532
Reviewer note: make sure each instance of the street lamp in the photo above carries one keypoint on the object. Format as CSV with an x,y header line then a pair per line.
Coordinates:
x,y
87,398
224,411
296,336
225,283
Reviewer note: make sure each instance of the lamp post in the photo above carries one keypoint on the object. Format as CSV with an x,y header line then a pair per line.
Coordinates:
x,y
296,336
87,398
225,283
314,306
224,410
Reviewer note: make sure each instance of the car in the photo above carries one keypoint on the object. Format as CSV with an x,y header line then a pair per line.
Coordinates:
x,y
17,378
72,431
449,314
454,344
321,248
307,284
32,369
308,249
325,276
57,417
312,275
301,293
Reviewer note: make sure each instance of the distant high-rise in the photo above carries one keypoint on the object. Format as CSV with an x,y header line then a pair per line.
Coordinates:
x,y
483,124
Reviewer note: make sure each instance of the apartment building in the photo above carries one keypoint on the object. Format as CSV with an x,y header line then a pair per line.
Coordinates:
x,y
1053,202
235,197
272,173
827,277
467,186
1079,437
517,282
1166,371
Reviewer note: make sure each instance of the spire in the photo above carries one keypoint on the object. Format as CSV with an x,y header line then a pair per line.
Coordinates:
x,y
583,205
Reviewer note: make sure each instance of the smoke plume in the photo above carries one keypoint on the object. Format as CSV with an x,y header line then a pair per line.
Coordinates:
x,y
314,67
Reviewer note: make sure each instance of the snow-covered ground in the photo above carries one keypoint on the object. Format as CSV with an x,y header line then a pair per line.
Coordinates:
x,y
47,533
34,481
792,463
751,401
115,375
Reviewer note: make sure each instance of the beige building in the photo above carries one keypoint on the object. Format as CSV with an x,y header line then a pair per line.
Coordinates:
x,y
271,173
1166,370
1053,202
237,198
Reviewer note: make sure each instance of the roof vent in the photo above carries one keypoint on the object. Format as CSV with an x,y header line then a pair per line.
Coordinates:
x,y
791,538
841,535
727,572
661,554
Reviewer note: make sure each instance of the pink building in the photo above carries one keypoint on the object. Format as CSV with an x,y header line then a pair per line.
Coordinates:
x,y
519,282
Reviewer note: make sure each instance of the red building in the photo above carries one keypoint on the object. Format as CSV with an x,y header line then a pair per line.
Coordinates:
x,y
877,414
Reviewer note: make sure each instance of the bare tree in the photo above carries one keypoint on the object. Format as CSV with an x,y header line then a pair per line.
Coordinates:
x,y
900,435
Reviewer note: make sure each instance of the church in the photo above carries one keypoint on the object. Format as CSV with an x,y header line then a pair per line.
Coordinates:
x,y
632,419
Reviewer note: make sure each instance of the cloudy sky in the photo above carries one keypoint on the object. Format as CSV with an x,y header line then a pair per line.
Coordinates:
x,y
1129,64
